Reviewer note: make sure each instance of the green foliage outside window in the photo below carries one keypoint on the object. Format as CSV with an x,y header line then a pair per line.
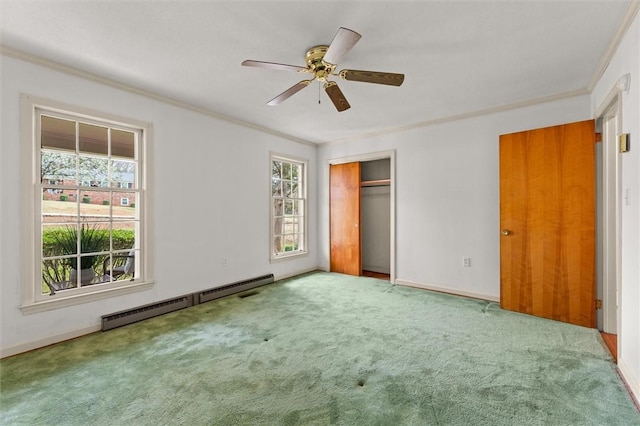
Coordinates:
x,y
123,239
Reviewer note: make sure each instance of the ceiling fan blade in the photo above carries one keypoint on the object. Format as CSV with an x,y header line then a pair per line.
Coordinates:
x,y
342,43
336,96
289,92
388,78
274,66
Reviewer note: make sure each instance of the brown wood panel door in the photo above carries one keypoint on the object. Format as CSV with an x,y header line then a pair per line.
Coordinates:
x,y
344,201
547,220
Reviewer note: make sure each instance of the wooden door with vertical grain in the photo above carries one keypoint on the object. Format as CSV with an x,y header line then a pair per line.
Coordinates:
x,y
547,220
344,201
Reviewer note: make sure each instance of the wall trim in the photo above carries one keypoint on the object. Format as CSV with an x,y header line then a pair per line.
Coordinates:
x,y
65,302
447,290
391,155
58,66
629,380
605,59
611,181
613,97
294,274
464,116
363,157
47,341
621,31
14,53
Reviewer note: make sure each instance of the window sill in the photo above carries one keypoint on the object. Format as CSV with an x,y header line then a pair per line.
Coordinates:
x,y
49,305
276,259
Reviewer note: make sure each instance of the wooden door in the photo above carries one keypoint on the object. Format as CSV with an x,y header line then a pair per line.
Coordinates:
x,y
547,220
344,200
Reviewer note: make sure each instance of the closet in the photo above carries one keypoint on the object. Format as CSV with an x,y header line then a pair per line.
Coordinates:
x,y
360,217
375,210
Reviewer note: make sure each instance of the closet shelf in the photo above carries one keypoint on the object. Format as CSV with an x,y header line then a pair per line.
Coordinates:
x,y
379,182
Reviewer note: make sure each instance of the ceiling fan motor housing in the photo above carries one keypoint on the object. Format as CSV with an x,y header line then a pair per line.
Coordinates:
x,y
314,58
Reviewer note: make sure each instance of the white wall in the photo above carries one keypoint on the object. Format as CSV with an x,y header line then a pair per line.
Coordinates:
x,y
447,195
627,60
211,200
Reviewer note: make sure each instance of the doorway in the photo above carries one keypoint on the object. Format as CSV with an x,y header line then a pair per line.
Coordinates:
x,y
608,124
370,251
375,207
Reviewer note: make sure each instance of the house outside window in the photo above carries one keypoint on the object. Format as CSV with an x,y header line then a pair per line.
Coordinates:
x,y
288,207
83,233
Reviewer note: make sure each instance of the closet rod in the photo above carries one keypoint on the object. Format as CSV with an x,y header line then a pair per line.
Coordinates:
x,y
379,182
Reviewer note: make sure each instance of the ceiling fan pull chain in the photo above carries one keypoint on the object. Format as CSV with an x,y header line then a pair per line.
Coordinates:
x,y
318,92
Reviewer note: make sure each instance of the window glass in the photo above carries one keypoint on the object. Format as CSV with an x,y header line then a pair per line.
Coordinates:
x,y
57,133
89,205
57,168
93,170
122,144
93,139
287,193
123,174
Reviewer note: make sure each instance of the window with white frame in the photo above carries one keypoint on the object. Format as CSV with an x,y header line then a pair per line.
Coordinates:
x,y
86,240
288,207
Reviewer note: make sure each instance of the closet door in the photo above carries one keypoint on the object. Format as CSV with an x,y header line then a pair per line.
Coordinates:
x,y
344,198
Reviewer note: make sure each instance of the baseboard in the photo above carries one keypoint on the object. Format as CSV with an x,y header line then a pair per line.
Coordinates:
x,y
46,341
447,290
630,381
295,274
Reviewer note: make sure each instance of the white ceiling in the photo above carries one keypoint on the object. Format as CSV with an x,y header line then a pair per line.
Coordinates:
x,y
458,57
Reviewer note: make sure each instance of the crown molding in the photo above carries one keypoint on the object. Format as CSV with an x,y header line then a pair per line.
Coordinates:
x,y
58,66
623,27
472,114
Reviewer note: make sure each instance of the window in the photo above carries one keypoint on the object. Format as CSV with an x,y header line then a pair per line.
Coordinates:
x,y
288,207
83,237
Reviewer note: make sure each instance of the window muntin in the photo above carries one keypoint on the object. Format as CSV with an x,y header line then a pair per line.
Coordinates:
x,y
288,207
85,238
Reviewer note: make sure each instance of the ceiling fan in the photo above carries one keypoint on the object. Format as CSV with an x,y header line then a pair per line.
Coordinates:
x,y
322,61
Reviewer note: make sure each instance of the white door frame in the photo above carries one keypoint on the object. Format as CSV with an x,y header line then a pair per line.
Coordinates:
x,y
610,115
391,155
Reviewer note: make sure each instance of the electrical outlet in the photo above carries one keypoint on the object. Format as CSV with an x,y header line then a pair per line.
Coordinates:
x,y
466,262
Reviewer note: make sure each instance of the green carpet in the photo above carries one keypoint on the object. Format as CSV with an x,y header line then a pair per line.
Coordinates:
x,y
323,349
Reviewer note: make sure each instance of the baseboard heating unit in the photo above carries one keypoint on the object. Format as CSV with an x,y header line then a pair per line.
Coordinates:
x,y
151,310
145,312
226,290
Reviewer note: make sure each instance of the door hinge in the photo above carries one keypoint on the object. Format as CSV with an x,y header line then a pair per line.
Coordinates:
x,y
598,303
